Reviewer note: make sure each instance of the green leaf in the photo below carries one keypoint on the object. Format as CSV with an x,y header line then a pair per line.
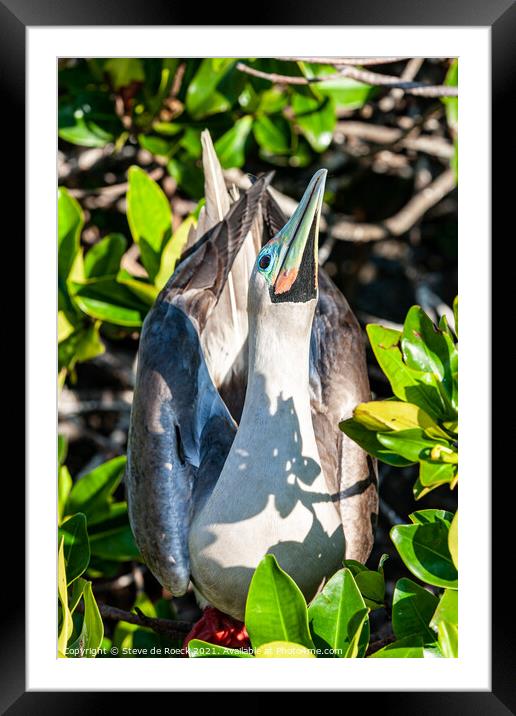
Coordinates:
x,y
198,648
272,100
283,650
433,474
413,445
426,348
142,289
345,92
83,344
116,544
424,550
187,174
88,119
412,610
107,300
369,442
149,216
172,252
272,133
371,583
448,640
410,647
104,257
64,485
66,622
424,517
123,71
74,536
382,415
230,148
92,632
337,617
453,540
275,609
452,103
91,492
447,609
155,145
315,118
62,449
202,98
70,220
456,314
407,384
76,592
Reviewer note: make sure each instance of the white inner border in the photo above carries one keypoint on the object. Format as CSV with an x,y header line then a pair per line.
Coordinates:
x,y
472,669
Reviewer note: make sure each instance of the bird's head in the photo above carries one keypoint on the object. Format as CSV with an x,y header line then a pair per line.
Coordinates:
x,y
284,278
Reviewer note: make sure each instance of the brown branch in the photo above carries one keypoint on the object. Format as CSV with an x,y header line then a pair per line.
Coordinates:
x,y
364,76
415,88
339,61
167,627
403,220
393,136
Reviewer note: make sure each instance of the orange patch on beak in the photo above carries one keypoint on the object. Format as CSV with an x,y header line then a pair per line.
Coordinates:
x,y
285,280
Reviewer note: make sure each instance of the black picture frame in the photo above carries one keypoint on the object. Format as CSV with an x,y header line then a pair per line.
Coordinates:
x,y
500,15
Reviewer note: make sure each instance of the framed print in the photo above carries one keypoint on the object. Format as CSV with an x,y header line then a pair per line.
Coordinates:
x,y
264,240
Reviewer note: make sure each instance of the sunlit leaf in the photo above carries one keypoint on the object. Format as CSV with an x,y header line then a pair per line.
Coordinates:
x,y
337,616
123,71
315,118
149,216
103,259
412,610
230,147
453,540
90,493
368,440
275,609
74,536
425,552
92,632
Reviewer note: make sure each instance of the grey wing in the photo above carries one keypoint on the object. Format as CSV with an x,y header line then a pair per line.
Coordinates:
x,y
173,460
338,382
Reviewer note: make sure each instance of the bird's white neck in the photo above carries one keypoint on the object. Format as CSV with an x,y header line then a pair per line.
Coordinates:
x,y
277,400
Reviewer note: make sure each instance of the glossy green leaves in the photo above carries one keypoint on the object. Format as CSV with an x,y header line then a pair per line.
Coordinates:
x,y
423,547
338,616
280,625
418,425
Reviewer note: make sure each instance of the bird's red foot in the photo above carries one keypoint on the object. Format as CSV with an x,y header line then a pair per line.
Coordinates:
x,y
218,628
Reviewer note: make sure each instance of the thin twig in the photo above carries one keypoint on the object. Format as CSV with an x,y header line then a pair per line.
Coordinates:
x,y
403,220
364,76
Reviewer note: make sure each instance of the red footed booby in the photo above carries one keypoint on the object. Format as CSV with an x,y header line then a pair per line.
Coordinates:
x,y
247,362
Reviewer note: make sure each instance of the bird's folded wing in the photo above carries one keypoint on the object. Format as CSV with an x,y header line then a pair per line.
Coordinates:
x,y
181,430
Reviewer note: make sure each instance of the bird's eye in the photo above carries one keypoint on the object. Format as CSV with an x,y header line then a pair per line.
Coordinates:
x,y
264,261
